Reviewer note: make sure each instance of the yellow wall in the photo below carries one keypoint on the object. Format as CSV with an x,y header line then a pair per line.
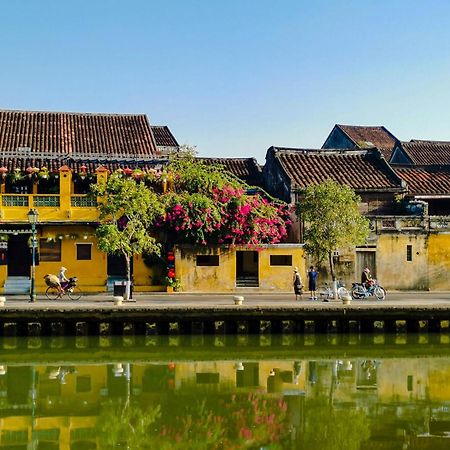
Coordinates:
x,y
91,273
439,261
222,278
393,270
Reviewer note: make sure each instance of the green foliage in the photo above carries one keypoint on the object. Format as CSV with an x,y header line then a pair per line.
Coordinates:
x,y
332,219
126,212
194,176
173,282
119,423
330,429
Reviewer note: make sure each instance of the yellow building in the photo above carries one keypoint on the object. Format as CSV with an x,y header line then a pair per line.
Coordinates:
x,y
47,162
267,268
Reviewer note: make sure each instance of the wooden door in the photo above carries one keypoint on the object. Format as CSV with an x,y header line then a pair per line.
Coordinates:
x,y
19,256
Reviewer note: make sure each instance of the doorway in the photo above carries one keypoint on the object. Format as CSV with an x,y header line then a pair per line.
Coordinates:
x,y
19,256
366,259
116,266
247,273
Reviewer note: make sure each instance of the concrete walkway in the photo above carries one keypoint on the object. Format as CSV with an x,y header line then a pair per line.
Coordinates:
x,y
160,300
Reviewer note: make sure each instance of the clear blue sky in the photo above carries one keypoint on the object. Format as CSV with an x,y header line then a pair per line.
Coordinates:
x,y
234,76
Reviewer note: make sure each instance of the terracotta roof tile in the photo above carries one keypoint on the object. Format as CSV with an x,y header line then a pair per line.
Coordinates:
x,y
80,133
426,180
247,169
364,136
427,153
362,170
163,136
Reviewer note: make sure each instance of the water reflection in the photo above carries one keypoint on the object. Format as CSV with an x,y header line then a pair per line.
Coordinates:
x,y
300,392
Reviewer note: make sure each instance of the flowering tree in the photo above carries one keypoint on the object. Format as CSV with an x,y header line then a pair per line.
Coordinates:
x,y
206,204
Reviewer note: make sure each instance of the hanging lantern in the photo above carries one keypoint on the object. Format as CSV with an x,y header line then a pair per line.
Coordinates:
x,y
29,171
3,171
83,170
127,171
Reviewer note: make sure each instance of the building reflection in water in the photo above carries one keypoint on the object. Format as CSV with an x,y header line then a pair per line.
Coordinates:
x,y
203,397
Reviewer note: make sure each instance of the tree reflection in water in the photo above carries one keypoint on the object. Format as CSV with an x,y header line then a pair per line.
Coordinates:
x,y
310,395
230,421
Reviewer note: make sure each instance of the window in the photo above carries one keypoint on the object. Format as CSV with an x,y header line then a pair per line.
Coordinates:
x,y
84,251
207,260
207,378
84,383
50,250
281,260
409,253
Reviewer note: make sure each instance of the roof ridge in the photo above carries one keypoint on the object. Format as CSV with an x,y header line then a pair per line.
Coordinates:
x,y
413,141
72,113
331,151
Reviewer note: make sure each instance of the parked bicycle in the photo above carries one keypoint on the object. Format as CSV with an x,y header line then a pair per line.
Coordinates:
x,y
360,291
326,293
71,289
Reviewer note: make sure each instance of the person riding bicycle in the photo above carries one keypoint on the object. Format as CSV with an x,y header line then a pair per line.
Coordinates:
x,y
366,278
63,280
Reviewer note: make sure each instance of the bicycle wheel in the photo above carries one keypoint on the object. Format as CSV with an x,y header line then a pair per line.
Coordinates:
x,y
379,293
75,293
324,293
342,291
53,293
358,292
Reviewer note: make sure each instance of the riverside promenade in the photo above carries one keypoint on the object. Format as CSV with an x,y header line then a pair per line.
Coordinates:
x,y
181,300
183,313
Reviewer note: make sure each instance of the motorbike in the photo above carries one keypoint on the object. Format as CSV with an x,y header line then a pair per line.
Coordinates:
x,y
360,291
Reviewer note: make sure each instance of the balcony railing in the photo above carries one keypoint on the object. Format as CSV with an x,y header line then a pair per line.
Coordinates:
x,y
83,201
46,200
15,200
380,224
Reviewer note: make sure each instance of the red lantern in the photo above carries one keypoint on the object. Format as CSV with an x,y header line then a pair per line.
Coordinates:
x,y
127,171
171,273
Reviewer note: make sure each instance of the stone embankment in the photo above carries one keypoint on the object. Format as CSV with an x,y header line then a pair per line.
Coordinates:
x,y
215,314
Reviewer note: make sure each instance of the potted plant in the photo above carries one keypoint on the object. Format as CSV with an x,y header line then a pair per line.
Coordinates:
x,y
173,284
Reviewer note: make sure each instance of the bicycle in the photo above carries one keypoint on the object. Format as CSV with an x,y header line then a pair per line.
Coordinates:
x,y
72,290
359,291
326,292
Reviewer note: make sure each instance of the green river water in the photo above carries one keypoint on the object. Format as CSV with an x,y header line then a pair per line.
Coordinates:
x,y
226,392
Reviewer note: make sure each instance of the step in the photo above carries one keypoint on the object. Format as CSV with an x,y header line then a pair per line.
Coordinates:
x,y
17,285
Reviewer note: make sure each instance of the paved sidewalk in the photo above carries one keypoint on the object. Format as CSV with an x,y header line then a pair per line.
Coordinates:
x,y
161,299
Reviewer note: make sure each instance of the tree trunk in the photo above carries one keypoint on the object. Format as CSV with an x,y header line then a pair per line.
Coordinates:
x,y
333,275
128,285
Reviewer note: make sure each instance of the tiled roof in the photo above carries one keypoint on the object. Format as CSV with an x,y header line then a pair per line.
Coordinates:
x,y
247,169
365,137
426,180
362,170
427,153
81,133
163,136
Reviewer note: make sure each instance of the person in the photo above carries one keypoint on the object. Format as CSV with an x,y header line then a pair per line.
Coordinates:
x,y
312,279
366,278
297,282
63,280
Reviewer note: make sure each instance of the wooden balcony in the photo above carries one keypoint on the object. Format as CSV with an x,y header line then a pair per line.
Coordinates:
x,y
412,224
52,208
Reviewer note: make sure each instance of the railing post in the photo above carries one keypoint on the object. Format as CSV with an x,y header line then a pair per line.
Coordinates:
x,y
65,189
